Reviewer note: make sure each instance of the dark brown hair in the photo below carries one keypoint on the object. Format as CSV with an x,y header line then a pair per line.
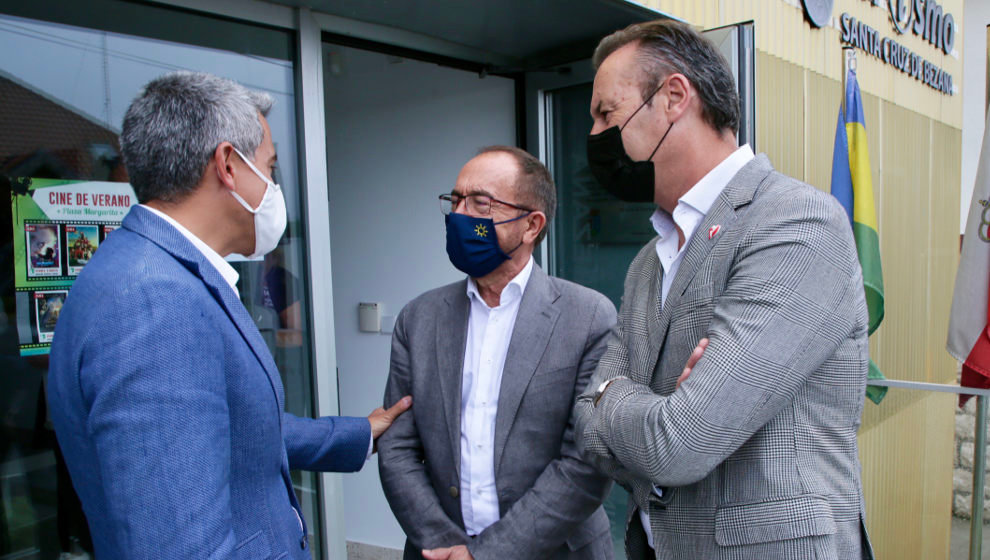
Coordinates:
x,y
668,47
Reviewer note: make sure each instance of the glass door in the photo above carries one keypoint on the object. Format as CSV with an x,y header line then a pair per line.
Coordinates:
x,y
65,81
595,236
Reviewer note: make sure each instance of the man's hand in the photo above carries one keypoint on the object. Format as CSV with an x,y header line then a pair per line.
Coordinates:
x,y
692,360
459,552
381,419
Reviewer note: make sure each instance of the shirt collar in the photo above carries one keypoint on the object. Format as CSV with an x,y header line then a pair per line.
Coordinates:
x,y
223,267
703,194
513,290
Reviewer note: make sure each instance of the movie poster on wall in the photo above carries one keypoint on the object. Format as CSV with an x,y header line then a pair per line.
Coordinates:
x,y
58,227
81,241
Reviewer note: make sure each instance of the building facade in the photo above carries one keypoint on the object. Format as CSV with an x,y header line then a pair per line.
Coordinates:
x,y
378,104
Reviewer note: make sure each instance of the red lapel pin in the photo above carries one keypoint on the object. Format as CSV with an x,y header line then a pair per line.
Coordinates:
x,y
712,231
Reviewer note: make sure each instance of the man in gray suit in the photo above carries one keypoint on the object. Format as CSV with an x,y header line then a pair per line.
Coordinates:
x,y
485,465
754,456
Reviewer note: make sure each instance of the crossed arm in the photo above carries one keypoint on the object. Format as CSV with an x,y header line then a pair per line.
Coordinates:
x,y
771,329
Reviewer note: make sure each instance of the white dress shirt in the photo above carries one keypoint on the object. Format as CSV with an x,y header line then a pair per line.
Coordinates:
x,y
690,211
222,266
488,335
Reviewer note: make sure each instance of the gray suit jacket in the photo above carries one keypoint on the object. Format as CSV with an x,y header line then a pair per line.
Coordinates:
x,y
549,498
756,452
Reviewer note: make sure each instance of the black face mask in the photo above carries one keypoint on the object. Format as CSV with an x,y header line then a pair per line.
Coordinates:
x,y
628,180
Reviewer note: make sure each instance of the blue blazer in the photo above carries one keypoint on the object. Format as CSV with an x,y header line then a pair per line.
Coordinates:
x,y
168,408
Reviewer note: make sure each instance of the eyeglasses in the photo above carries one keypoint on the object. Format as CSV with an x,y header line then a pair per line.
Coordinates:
x,y
478,204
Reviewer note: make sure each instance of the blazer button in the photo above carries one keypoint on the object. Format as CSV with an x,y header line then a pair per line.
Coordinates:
x,y
454,492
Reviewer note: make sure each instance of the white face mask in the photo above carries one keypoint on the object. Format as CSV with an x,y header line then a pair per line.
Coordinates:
x,y
269,216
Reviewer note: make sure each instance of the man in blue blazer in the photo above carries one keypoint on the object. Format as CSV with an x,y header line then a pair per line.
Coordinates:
x,y
166,401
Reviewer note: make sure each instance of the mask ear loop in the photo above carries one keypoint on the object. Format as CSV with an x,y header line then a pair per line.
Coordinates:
x,y
648,99
660,142
512,220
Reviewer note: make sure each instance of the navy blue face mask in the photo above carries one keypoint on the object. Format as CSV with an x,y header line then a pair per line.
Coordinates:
x,y
472,244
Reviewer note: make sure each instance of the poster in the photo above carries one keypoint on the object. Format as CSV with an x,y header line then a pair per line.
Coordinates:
x,y
58,227
47,305
44,250
81,241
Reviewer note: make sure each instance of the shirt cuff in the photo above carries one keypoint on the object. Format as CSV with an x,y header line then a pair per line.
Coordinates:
x,y
371,445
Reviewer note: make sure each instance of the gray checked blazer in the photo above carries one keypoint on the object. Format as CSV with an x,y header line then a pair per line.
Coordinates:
x,y
756,452
549,497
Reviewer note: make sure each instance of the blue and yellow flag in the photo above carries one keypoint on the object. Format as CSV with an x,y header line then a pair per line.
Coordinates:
x,y
852,185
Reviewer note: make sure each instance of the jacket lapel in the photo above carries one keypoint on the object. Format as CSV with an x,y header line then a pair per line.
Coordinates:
x,y
155,229
653,309
451,335
737,193
530,336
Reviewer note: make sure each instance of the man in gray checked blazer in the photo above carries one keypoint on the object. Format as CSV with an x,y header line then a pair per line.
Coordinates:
x,y
754,455
485,464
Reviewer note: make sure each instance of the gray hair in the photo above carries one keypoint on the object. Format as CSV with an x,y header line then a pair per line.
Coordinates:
x,y
175,124
535,185
668,47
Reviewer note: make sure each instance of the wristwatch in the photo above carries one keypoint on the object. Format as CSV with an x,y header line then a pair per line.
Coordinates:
x,y
602,387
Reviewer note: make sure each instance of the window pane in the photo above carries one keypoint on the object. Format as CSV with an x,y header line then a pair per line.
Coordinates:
x,y
63,92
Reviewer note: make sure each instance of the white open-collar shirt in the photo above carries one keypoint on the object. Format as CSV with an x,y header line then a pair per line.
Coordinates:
x,y
223,267
488,335
690,211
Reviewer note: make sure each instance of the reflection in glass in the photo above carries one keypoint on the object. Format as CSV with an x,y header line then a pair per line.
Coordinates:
x,y
63,92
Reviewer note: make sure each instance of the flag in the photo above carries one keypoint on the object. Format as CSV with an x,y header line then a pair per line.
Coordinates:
x,y
968,338
852,185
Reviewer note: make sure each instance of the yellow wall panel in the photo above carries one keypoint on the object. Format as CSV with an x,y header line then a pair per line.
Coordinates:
x,y
820,128
906,451
780,113
904,232
943,257
936,475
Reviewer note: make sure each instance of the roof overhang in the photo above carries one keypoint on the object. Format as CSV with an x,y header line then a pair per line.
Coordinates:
x,y
504,35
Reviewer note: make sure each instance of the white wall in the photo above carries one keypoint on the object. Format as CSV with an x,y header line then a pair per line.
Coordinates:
x,y
398,132
976,17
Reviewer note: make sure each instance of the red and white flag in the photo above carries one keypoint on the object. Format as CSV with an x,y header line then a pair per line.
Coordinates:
x,y
969,339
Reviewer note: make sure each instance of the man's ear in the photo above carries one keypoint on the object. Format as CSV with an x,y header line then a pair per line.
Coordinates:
x,y
223,163
678,96
535,224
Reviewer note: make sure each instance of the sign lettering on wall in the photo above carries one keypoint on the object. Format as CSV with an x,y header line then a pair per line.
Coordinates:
x,y
924,18
857,34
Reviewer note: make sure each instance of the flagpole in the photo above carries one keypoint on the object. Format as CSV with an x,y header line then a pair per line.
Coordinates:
x,y
848,62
